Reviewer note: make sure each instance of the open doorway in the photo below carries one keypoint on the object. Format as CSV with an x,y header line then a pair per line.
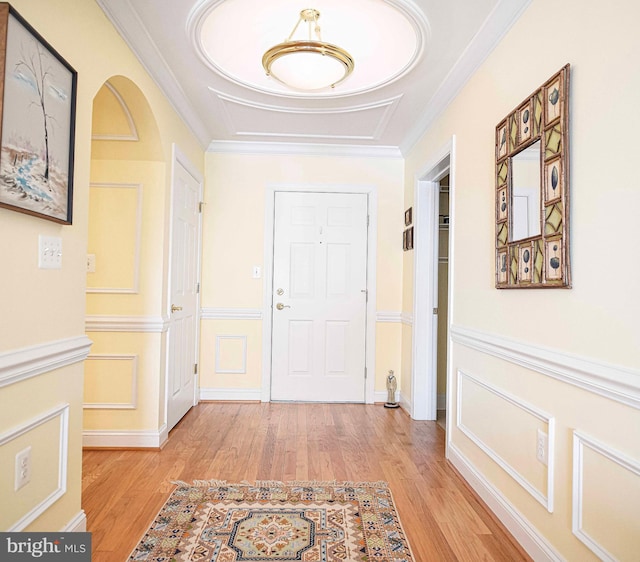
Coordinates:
x,y
433,277
443,300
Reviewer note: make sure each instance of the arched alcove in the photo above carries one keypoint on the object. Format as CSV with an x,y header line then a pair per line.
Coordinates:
x,y
123,125
124,376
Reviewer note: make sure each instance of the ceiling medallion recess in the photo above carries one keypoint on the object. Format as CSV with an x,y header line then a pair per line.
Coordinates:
x,y
310,64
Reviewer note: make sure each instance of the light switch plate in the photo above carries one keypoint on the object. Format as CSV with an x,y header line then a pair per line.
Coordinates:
x,y
49,252
91,263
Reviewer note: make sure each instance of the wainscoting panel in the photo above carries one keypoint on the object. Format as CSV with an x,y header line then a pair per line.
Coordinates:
x,y
506,428
231,354
111,382
117,256
606,499
48,437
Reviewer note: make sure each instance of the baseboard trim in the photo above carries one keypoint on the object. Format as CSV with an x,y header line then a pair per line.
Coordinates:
x,y
125,439
526,534
381,396
405,404
77,525
231,394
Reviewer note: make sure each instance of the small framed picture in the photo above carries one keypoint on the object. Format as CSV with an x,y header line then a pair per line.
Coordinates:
x,y
410,238
408,216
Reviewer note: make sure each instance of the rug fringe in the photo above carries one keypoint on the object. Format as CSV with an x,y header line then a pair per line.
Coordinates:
x,y
280,483
199,483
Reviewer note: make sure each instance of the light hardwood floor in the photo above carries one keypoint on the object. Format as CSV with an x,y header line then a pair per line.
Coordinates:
x,y
443,519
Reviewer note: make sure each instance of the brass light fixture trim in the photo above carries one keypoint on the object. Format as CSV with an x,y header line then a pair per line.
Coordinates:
x,y
313,46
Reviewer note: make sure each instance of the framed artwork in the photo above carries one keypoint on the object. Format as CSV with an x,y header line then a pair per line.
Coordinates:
x,y
408,216
532,190
407,239
37,111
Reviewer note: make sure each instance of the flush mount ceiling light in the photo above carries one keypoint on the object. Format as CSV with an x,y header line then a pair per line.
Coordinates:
x,y
309,64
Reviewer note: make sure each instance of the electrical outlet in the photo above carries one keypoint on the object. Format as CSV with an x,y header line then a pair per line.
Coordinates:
x,y
542,447
23,468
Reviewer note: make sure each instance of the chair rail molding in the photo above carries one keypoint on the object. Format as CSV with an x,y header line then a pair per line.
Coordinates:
x,y
113,323
20,364
611,381
231,313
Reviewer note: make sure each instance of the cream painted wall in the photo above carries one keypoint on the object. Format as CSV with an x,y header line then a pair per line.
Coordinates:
x,y
597,320
233,241
41,307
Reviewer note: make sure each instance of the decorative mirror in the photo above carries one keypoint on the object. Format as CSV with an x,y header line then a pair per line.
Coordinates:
x,y
532,190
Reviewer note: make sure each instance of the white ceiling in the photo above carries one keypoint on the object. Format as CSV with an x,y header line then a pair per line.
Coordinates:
x,y
229,104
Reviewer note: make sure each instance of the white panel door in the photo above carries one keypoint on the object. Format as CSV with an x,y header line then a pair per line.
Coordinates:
x,y
184,295
319,297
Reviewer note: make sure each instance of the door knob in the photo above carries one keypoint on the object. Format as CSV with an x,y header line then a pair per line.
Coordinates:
x,y
280,306
175,308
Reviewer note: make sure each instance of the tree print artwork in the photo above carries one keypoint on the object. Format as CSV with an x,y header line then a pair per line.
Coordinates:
x,y
37,126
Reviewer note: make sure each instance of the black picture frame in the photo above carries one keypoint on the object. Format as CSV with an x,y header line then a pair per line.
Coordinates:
x,y
408,216
37,113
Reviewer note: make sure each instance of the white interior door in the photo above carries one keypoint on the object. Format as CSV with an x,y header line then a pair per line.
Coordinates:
x,y
319,297
183,326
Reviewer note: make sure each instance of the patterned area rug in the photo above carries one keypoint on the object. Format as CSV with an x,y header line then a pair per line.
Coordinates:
x,y
309,521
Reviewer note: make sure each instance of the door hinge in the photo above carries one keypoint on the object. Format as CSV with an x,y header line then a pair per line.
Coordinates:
x,y
435,311
195,369
367,220
200,206
365,373
197,288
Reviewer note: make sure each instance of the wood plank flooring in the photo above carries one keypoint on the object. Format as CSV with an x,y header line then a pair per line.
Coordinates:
x,y
444,519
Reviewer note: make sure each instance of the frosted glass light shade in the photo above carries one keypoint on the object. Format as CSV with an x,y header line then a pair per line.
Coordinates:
x,y
308,65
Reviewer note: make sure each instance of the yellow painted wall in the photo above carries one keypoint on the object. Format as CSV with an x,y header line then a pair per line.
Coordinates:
x,y
233,241
42,306
596,320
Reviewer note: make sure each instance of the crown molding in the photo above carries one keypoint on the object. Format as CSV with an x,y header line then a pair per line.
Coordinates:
x,y
304,149
125,19
494,28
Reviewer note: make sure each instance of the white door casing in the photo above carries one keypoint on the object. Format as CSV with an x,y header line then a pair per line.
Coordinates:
x,y
424,377
183,296
319,297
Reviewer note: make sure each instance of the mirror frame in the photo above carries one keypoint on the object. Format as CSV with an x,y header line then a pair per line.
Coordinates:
x,y
540,261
